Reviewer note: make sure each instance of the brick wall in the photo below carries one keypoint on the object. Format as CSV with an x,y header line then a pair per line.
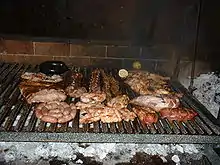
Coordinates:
x,y
161,58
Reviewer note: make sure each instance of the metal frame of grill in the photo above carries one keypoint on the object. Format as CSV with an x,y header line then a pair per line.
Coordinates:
x,y
18,122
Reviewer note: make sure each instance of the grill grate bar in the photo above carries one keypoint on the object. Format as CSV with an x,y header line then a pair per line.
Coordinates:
x,y
113,128
166,126
104,127
197,127
127,127
159,127
41,126
120,127
151,128
136,126
189,126
9,105
96,127
3,68
31,123
52,127
12,116
201,124
175,127
75,124
6,73
24,114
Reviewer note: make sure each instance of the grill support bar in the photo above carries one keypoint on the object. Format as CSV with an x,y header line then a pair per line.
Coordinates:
x,y
106,138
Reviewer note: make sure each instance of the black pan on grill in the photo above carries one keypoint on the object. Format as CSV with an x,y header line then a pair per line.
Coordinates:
x,y
53,67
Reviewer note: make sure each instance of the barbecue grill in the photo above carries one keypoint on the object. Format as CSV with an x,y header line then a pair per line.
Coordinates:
x,y
19,123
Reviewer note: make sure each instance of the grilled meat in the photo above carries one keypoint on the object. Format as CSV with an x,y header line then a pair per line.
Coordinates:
x,y
55,112
46,95
106,114
75,92
94,85
40,77
119,102
146,114
114,86
179,114
97,97
155,102
146,83
106,85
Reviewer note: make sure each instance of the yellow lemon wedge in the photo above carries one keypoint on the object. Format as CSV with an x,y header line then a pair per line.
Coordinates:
x,y
136,65
123,73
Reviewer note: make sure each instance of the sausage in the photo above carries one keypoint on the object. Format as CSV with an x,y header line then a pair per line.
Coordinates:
x,y
57,115
55,111
64,119
73,113
38,113
66,111
49,119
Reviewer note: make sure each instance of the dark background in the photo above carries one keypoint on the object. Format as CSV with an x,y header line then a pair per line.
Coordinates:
x,y
137,21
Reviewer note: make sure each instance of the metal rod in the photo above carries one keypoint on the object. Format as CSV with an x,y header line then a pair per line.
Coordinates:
x,y
195,46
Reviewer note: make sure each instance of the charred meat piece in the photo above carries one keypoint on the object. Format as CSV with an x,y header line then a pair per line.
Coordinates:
x,y
97,97
155,102
106,85
179,114
146,114
94,84
119,102
46,95
55,112
74,92
40,77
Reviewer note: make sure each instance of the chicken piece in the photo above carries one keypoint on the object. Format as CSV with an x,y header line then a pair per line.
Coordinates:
x,y
155,102
148,83
74,92
106,114
179,114
40,77
119,102
93,97
127,115
46,95
146,114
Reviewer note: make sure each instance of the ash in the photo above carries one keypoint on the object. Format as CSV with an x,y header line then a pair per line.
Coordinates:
x,y
208,92
107,153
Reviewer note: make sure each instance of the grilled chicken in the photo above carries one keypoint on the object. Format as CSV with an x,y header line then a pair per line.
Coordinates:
x,y
145,83
74,92
40,77
97,97
119,102
146,114
46,95
155,102
179,114
106,114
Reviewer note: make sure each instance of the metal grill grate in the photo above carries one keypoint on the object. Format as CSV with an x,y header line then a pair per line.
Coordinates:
x,y
18,122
